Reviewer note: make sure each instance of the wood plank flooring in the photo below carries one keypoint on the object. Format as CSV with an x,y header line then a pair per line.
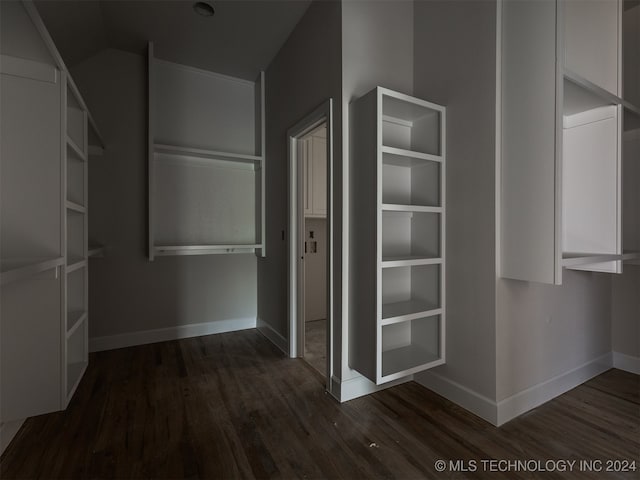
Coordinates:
x,y
231,406
315,345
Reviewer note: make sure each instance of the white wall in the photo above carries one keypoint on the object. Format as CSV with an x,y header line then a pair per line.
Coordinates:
x,y
377,50
127,293
545,331
455,66
625,314
304,74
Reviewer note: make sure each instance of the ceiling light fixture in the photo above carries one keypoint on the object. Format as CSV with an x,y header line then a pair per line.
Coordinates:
x,y
203,8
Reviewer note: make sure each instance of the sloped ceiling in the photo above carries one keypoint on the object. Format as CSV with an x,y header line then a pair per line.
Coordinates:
x,y
239,40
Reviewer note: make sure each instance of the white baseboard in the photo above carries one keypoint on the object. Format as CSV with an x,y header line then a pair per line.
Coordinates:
x,y
8,431
498,413
111,342
522,402
457,393
627,363
274,337
345,390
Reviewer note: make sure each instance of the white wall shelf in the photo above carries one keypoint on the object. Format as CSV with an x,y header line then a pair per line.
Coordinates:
x,y
96,251
389,207
206,162
76,150
74,320
397,321
177,250
14,270
187,152
75,207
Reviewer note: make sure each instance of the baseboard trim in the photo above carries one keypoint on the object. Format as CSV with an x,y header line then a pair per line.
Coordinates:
x,y
131,339
274,337
8,431
345,390
457,393
625,362
532,397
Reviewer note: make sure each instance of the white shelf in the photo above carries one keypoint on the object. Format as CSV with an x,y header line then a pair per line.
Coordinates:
x,y
75,263
403,361
409,261
75,207
96,251
393,207
407,157
167,250
576,259
406,311
74,320
96,151
76,149
590,95
13,270
205,154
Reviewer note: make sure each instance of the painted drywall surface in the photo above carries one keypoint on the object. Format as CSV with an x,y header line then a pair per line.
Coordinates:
x,y
544,330
18,36
304,74
377,50
625,312
455,67
127,293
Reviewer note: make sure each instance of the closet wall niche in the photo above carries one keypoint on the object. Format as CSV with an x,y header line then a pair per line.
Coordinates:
x,y
206,161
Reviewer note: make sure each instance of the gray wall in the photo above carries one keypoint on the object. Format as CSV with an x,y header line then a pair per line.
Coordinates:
x,y
377,50
544,330
625,312
127,293
455,66
304,74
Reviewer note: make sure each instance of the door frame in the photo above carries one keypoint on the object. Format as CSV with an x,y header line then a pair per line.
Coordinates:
x,y
321,114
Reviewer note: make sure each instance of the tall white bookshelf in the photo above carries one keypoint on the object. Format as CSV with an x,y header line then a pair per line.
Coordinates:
x,y
206,161
397,325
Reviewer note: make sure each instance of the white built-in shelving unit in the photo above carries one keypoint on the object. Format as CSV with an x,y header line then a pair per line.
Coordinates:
x,y
206,162
43,213
397,325
567,137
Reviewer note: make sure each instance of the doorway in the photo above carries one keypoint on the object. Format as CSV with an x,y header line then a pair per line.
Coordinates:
x,y
310,239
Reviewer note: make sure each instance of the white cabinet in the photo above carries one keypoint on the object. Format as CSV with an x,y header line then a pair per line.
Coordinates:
x,y
206,162
561,137
397,324
314,154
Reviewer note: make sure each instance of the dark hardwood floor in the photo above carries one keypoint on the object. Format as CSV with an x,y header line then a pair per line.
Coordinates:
x,y
315,345
231,406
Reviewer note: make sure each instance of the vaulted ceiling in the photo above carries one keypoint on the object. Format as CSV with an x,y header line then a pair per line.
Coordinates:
x,y
239,40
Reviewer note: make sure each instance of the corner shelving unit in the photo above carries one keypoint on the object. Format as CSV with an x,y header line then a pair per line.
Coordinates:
x,y
564,115
206,175
398,318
